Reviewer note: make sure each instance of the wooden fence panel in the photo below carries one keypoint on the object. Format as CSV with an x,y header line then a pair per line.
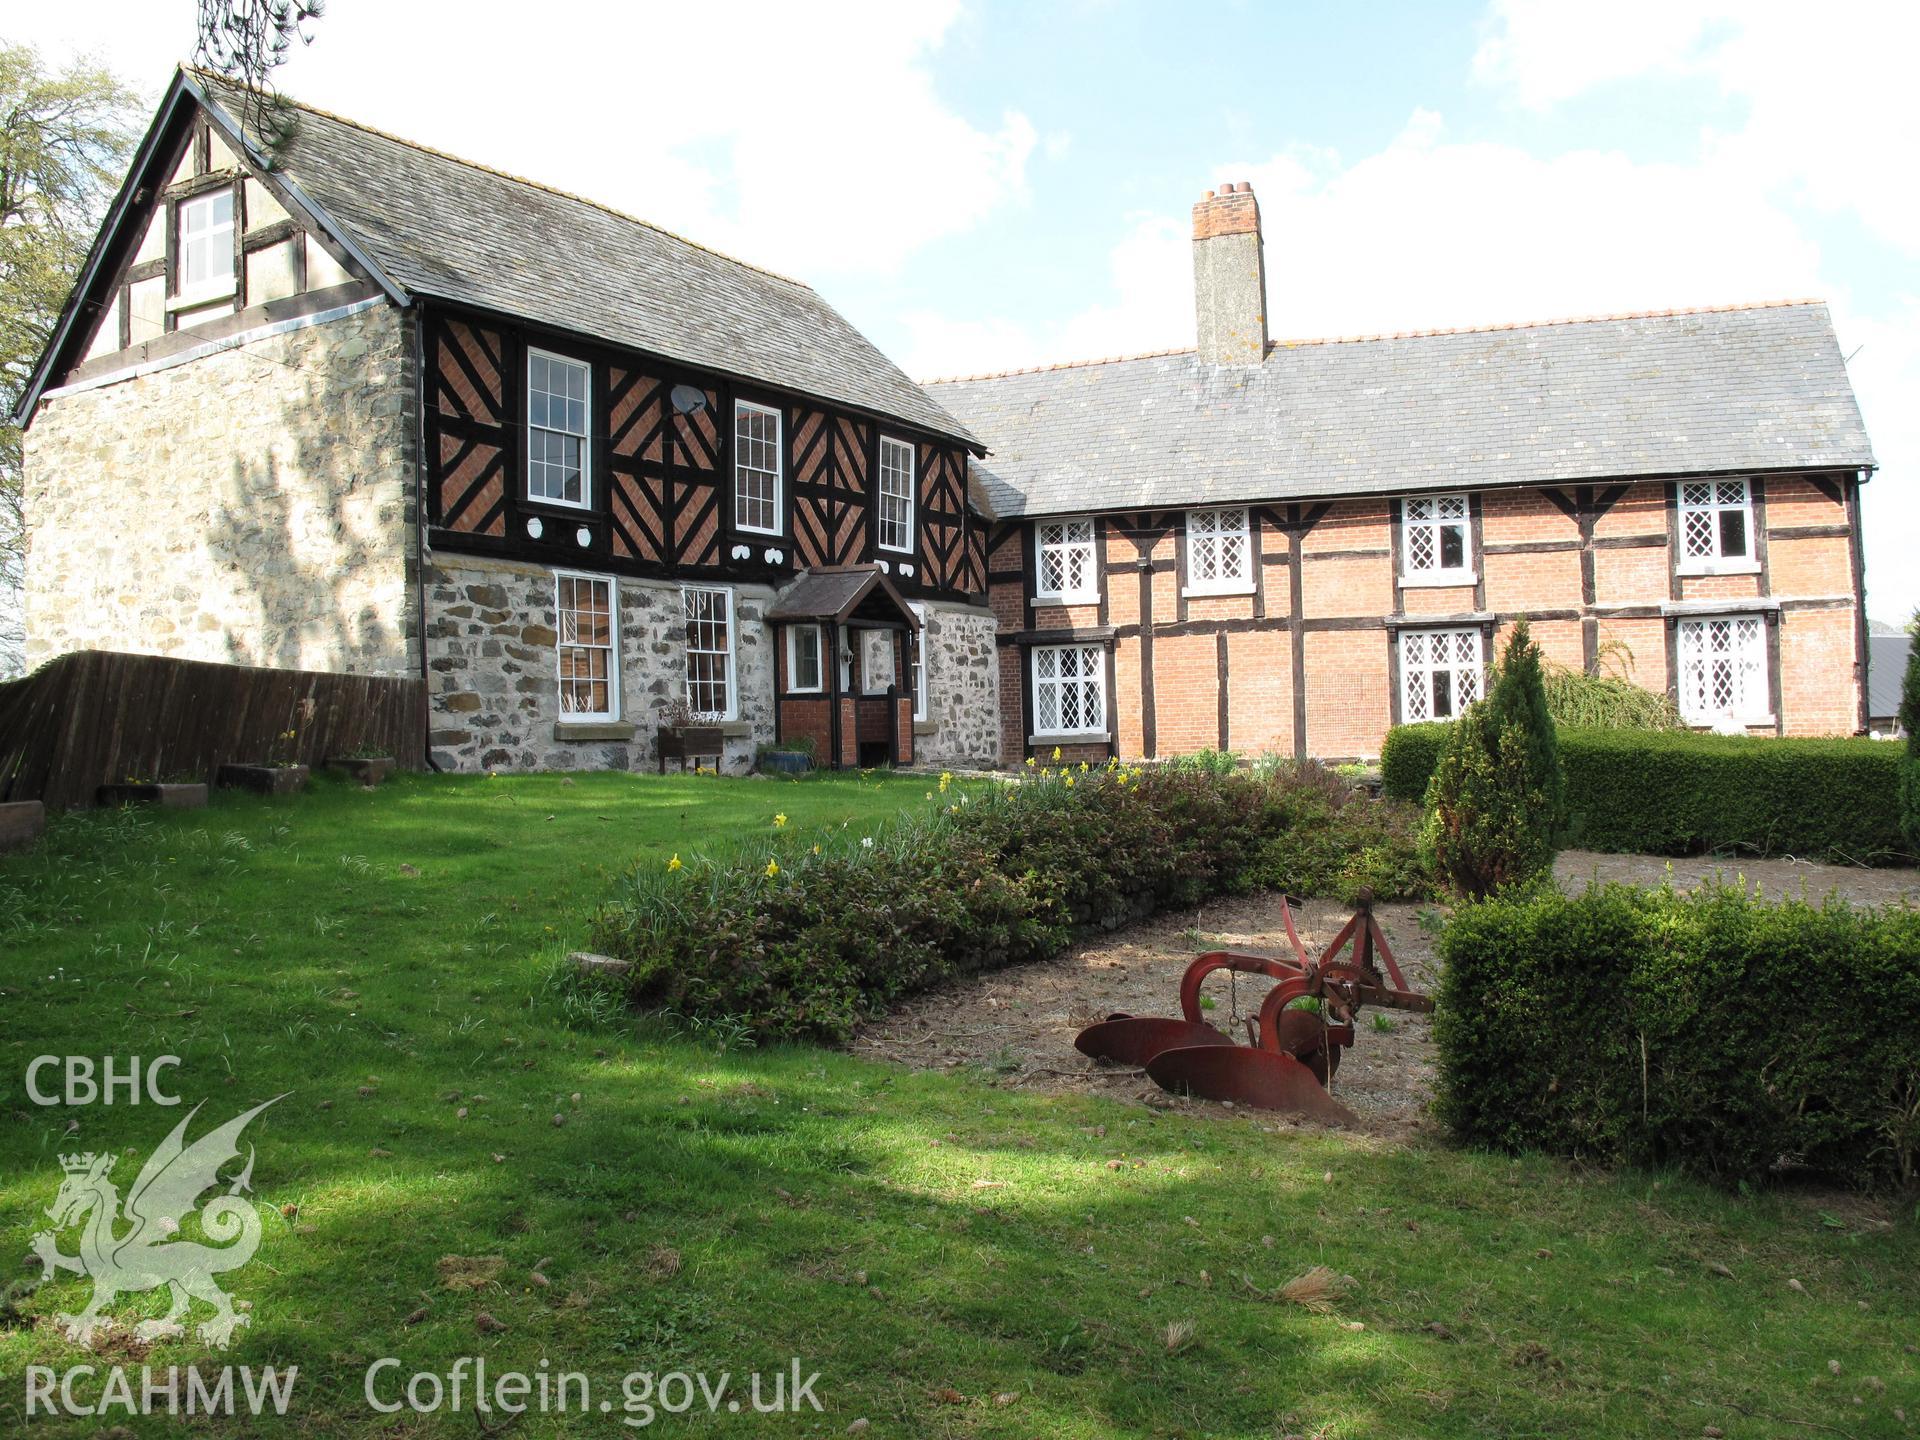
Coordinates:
x,y
99,716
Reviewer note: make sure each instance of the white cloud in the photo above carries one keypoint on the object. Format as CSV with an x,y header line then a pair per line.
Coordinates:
x,y
810,139
1826,97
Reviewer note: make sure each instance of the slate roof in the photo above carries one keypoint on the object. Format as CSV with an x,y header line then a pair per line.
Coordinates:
x,y
835,593
1746,388
1886,668
446,227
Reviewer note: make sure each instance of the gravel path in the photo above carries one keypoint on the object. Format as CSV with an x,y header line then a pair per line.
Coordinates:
x,y
1017,1026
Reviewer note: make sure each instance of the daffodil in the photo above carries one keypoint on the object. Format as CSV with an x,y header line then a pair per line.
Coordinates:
x,y
816,849
673,864
1031,762
773,868
946,781
1084,767
1056,752
779,822
1069,782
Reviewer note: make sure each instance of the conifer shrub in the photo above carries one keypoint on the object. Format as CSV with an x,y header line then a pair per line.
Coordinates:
x,y
1497,801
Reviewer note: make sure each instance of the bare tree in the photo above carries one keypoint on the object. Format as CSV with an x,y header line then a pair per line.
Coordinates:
x,y
65,138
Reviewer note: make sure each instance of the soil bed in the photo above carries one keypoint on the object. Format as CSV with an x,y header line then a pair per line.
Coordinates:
x,y
1017,1026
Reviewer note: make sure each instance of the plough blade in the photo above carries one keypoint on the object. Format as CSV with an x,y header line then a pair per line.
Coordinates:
x,y
1247,1076
1136,1039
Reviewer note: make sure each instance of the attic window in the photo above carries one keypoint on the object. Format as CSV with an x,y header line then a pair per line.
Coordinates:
x,y
206,244
1716,527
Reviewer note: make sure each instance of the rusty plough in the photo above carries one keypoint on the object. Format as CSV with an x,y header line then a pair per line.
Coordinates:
x,y
1294,1051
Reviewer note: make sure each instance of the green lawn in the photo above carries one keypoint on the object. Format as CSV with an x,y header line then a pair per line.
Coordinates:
x,y
928,1244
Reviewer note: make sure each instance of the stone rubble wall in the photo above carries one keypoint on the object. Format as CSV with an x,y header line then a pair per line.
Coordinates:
x,y
963,688
493,666
252,507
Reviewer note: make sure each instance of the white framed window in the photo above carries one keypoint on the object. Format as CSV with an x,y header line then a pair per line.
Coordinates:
x,y
1436,546
756,468
806,654
1219,553
1069,690
709,616
876,660
1716,526
204,244
588,609
919,651
1723,670
1063,561
896,495
1441,673
559,449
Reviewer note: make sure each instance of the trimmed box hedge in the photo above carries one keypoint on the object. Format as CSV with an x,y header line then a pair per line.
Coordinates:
x,y
1677,793
1713,1031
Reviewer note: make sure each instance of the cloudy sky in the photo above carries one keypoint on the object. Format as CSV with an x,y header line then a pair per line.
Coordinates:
x,y
996,184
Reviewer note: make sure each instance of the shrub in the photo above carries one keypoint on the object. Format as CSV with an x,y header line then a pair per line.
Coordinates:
x,y
1712,1031
1910,722
1682,794
1496,800
796,940
1607,702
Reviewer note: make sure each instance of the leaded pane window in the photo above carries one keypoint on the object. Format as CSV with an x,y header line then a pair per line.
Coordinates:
x,y
1063,561
756,468
1436,537
205,254
557,444
1716,521
588,622
896,495
1069,689
1219,551
709,619
1723,669
1441,673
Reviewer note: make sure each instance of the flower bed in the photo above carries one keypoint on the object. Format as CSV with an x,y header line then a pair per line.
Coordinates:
x,y
795,937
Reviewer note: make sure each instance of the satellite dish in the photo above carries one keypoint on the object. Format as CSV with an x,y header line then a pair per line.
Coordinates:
x,y
687,399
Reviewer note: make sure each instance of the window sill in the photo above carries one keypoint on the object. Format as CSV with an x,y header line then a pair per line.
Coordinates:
x,y
1439,579
1070,737
1706,723
1720,567
194,299
592,730
1088,598
1211,592
576,507
925,727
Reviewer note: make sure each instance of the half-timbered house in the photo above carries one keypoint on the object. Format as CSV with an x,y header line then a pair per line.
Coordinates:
x,y
369,407
366,406
1287,547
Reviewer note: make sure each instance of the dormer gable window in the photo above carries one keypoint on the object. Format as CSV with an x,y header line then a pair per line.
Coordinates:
x,y
204,244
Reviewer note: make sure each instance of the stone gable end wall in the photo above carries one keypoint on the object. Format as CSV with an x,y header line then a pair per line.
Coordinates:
x,y
963,689
253,506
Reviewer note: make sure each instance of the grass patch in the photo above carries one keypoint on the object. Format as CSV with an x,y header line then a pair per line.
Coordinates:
x,y
928,1243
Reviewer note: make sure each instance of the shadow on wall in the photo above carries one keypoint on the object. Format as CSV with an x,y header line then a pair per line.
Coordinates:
x,y
306,550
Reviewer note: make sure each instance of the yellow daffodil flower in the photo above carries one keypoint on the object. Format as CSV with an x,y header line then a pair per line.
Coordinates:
x,y
1056,752
673,864
779,822
773,868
